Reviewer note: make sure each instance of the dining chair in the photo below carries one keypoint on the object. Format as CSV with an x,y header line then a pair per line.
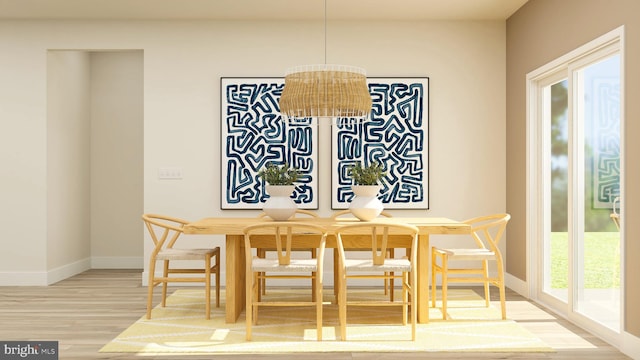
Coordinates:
x,y
377,266
388,283
615,216
165,231
486,232
284,236
262,253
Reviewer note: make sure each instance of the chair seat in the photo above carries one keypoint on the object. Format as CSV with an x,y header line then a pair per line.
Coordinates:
x,y
467,254
366,265
185,254
272,265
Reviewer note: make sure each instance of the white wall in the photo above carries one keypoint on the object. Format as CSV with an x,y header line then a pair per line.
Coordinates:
x,y
68,163
183,62
116,159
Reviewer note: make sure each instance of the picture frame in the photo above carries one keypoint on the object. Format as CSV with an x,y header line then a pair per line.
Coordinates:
x,y
253,134
397,135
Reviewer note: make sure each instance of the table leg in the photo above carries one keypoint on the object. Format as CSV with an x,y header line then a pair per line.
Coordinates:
x,y
235,275
423,278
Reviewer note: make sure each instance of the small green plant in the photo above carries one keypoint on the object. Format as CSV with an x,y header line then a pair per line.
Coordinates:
x,y
367,175
279,175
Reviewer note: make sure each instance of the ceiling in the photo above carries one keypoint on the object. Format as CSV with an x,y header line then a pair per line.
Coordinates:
x,y
259,9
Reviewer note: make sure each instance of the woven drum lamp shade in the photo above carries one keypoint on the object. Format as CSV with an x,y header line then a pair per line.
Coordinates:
x,y
325,91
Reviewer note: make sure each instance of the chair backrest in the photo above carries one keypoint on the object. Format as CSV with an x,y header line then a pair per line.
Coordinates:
x,y
283,236
163,228
297,213
487,230
377,235
343,213
615,216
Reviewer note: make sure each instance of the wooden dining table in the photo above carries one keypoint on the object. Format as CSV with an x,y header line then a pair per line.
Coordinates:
x,y
233,228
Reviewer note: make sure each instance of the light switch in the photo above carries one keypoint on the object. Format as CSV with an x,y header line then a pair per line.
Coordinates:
x,y
169,173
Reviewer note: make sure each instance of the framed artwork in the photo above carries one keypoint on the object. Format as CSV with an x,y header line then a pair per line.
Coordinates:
x,y
397,135
253,134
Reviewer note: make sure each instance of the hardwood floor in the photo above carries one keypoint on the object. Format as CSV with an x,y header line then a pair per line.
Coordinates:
x,y
88,310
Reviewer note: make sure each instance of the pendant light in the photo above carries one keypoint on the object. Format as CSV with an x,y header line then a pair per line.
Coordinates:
x,y
325,90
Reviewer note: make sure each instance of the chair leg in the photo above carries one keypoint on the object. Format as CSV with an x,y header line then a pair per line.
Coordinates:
x,y
313,280
152,269
485,273
342,306
445,265
249,303
217,273
261,253
318,299
413,282
503,306
433,278
165,274
207,286
391,286
405,298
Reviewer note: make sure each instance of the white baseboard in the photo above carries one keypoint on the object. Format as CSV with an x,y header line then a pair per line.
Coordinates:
x,y
117,262
517,285
43,278
68,270
630,345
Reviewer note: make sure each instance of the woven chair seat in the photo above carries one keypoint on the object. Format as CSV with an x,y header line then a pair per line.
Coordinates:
x,y
366,265
468,254
296,265
185,254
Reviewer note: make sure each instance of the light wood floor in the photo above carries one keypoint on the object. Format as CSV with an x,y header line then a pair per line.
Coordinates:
x,y
88,310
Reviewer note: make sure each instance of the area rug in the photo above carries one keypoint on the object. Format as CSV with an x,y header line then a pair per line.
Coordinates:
x,y
181,328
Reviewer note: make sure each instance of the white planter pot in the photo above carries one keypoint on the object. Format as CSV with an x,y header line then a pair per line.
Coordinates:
x,y
280,205
365,205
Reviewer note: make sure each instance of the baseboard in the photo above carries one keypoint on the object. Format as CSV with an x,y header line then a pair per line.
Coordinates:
x,y
517,285
43,278
117,262
630,345
68,270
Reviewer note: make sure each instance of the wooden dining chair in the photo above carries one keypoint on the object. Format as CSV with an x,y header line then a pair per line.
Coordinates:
x,y
165,231
615,216
262,253
378,266
486,232
284,236
388,283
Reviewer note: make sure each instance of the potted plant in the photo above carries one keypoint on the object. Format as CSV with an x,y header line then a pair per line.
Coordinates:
x,y
367,175
280,181
279,175
366,184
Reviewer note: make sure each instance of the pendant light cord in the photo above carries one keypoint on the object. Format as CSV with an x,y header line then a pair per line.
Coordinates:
x,y
325,32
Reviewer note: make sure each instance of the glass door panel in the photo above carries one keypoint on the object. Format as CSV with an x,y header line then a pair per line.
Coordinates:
x,y
556,247
597,239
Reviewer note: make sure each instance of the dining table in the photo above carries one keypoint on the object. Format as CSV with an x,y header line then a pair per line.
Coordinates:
x,y
233,229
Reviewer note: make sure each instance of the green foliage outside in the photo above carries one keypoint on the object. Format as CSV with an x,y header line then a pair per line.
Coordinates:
x,y
601,260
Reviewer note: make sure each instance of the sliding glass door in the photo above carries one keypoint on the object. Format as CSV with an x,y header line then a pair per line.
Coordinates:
x,y
576,172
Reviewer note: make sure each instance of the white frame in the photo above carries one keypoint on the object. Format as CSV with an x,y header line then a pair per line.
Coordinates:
x,y
536,190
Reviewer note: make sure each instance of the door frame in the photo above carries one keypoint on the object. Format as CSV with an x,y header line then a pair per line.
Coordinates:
x,y
536,189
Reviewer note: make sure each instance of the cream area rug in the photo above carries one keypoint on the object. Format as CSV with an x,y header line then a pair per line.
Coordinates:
x,y
180,327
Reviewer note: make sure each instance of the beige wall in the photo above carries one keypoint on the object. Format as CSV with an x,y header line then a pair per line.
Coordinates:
x,y
68,175
183,63
541,31
116,159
